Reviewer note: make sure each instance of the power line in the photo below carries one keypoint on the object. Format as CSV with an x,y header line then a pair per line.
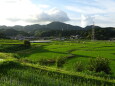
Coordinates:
x,y
93,31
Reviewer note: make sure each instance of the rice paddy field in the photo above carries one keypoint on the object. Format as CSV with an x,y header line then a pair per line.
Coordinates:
x,y
53,64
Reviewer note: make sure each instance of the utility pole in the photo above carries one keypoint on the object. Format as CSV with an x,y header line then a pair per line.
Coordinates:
x,y
93,31
67,26
62,33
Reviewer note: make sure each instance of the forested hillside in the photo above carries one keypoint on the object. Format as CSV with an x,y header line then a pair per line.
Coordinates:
x,y
57,29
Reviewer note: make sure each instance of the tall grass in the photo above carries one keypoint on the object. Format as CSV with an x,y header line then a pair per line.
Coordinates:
x,y
15,74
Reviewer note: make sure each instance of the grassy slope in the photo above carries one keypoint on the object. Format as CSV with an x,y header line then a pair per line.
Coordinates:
x,y
16,74
93,50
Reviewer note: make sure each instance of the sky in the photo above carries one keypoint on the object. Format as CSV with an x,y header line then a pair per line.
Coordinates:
x,y
74,12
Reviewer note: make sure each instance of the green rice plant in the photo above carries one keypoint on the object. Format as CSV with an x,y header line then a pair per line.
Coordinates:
x,y
10,41
26,71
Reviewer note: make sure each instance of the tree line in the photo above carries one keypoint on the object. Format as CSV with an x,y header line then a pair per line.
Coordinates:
x,y
86,33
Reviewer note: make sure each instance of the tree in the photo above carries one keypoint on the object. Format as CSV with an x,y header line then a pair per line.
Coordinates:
x,y
27,44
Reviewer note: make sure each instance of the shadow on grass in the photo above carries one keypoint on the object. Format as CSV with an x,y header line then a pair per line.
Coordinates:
x,y
98,49
113,53
41,49
34,50
84,56
74,56
108,46
6,66
11,48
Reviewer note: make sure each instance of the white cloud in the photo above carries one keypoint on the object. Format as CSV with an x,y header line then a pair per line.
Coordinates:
x,y
105,20
24,12
58,15
50,16
44,6
85,9
105,9
86,20
17,9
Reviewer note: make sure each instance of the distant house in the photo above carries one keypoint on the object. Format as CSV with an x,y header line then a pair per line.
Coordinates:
x,y
74,37
31,38
20,37
11,37
112,39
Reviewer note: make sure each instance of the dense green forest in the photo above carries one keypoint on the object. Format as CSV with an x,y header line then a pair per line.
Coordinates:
x,y
57,29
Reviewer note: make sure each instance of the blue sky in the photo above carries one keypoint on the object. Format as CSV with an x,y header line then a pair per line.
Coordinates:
x,y
75,12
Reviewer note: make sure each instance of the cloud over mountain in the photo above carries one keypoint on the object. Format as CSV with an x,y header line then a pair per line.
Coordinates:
x,y
86,20
25,12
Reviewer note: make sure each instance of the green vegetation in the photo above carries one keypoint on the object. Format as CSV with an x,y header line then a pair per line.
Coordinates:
x,y
27,44
100,64
59,63
78,67
54,29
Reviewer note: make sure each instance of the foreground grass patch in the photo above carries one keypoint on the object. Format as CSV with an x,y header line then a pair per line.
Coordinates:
x,y
23,74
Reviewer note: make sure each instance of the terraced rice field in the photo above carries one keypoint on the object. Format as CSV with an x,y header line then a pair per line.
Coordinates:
x,y
56,60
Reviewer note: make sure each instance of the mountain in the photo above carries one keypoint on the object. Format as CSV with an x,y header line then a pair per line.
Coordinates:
x,y
58,29
62,26
91,26
51,26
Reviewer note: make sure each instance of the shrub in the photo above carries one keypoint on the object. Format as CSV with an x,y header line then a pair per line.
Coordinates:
x,y
100,65
27,44
60,61
78,67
